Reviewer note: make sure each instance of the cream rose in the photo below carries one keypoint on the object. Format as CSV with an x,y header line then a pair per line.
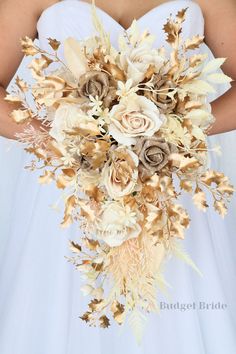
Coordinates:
x,y
137,60
68,117
116,224
134,116
120,174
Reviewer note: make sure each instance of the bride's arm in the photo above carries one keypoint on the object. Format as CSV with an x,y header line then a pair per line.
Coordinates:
x,y
18,18
220,36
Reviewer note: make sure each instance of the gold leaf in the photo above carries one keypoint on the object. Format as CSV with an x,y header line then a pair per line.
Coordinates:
x,y
53,149
174,28
179,220
197,60
169,29
91,244
64,179
95,152
186,185
104,321
69,172
13,99
226,188
199,199
88,127
87,211
115,71
118,311
21,115
74,247
185,164
70,205
98,267
181,14
150,71
28,46
177,230
23,86
220,207
86,316
54,44
95,304
211,176
46,178
54,82
39,64
223,185
39,153
194,42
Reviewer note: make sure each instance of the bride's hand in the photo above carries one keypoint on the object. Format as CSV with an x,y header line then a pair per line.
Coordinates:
x,y
18,18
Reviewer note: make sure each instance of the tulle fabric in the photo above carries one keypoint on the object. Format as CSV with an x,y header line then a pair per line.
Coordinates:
x,y
40,298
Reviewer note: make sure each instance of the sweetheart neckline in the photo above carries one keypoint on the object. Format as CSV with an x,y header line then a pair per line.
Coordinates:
x,y
98,9
137,19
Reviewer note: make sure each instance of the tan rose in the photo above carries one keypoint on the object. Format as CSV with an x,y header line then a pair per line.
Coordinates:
x,y
120,174
97,83
153,154
164,102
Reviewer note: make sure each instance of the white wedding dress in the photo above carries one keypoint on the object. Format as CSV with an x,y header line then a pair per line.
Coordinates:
x,y
40,297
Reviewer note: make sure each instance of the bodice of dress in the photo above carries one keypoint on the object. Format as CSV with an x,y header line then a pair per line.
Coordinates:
x,y
72,18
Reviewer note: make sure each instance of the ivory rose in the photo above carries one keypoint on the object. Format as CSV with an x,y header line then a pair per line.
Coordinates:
x,y
116,223
68,117
136,60
134,116
120,174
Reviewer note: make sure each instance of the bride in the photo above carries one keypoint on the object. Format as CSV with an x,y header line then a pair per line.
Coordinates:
x,y
40,297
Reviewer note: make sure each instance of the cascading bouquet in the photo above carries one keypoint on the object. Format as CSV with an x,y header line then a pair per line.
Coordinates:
x,y
125,133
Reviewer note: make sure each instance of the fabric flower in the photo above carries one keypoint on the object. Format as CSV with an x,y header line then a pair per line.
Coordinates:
x,y
134,116
97,84
153,154
136,61
116,223
69,117
120,174
161,99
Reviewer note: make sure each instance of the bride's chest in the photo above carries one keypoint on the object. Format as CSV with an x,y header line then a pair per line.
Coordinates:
x,y
74,18
124,11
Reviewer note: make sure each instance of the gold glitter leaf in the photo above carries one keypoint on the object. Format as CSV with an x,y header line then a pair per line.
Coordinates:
x,y
194,42
220,207
21,115
54,44
74,247
199,199
46,178
104,321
